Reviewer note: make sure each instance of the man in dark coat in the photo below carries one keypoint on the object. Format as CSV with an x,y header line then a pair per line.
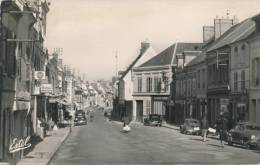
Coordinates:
x,y
222,129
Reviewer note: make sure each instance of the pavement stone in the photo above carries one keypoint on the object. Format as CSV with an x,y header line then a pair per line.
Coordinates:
x,y
45,150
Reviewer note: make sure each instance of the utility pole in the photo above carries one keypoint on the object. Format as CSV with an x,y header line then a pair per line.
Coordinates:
x,y
116,56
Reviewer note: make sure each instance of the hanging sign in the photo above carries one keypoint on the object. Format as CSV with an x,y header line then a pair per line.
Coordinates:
x,y
18,145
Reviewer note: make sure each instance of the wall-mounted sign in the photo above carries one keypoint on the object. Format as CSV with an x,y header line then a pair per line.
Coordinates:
x,y
39,75
18,145
46,88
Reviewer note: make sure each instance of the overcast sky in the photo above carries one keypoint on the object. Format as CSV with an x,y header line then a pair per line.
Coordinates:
x,y
90,31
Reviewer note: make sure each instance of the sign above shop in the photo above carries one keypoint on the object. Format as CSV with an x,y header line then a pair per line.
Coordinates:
x,y
18,145
46,88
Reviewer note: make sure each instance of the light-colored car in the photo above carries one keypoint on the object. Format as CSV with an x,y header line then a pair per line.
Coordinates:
x,y
190,126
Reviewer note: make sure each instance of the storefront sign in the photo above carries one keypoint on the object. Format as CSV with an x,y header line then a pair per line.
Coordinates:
x,y
46,88
18,145
39,75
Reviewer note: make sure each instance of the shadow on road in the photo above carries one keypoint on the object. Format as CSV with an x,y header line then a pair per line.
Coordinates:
x,y
215,145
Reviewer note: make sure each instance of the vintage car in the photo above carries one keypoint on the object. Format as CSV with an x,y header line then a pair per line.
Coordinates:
x,y
190,126
153,120
80,118
246,134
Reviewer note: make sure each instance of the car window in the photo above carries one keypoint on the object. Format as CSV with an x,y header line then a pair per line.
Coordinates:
x,y
237,127
253,128
194,122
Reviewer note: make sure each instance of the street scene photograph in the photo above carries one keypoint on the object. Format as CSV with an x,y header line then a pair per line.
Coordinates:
x,y
129,82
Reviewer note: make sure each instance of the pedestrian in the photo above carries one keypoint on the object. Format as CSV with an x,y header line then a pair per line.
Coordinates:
x,y
91,116
222,129
105,115
204,128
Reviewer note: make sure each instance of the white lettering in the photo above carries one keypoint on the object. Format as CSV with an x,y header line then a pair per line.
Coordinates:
x,y
18,145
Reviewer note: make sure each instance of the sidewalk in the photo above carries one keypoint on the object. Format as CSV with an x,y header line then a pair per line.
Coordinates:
x,y
45,150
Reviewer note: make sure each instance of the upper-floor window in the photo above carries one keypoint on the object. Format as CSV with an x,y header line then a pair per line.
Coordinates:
x,y
235,81
198,78
236,51
139,84
256,71
243,47
157,84
149,84
203,78
243,78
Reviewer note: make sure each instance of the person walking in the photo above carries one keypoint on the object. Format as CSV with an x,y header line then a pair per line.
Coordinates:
x,y
204,128
91,116
105,115
222,129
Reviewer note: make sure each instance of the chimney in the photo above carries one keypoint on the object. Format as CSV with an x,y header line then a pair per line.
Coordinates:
x,y
144,47
208,33
257,22
221,25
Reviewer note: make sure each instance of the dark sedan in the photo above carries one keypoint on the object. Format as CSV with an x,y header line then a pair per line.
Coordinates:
x,y
246,134
190,126
80,118
153,120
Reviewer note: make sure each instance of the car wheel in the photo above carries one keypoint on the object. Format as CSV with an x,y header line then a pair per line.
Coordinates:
x,y
230,143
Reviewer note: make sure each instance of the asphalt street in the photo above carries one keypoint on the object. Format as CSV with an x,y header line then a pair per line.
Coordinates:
x,y
102,142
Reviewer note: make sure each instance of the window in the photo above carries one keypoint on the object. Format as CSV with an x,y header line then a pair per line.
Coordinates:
x,y
256,71
235,51
139,84
149,84
235,81
243,80
157,84
148,106
243,47
198,78
203,78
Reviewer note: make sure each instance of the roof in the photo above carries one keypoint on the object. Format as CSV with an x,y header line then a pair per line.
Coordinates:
x,y
235,33
200,58
134,62
163,58
167,56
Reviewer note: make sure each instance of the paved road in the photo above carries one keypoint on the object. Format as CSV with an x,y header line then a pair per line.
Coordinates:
x,y
101,142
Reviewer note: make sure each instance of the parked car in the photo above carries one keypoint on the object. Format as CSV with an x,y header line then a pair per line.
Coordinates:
x,y
246,134
153,120
190,126
80,118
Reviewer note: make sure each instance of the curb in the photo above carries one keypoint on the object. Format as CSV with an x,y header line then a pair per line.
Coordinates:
x,y
59,145
165,126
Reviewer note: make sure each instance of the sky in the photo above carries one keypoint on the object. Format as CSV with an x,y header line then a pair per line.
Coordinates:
x,y
90,32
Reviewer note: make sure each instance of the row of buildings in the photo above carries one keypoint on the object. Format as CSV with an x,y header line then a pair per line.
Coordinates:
x,y
35,86
220,74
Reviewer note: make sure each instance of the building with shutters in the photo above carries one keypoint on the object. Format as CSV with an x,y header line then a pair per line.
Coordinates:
x,y
153,81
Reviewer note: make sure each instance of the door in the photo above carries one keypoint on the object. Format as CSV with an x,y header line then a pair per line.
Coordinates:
x,y
139,108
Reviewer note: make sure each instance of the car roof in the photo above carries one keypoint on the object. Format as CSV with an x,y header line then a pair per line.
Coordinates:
x,y
249,123
191,119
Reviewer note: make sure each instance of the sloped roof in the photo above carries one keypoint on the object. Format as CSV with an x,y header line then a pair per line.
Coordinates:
x,y
163,58
181,47
235,33
167,56
197,60
134,62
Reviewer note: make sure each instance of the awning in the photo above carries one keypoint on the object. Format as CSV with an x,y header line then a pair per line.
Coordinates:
x,y
56,100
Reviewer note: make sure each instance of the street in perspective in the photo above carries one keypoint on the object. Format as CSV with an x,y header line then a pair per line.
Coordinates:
x,y
129,82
